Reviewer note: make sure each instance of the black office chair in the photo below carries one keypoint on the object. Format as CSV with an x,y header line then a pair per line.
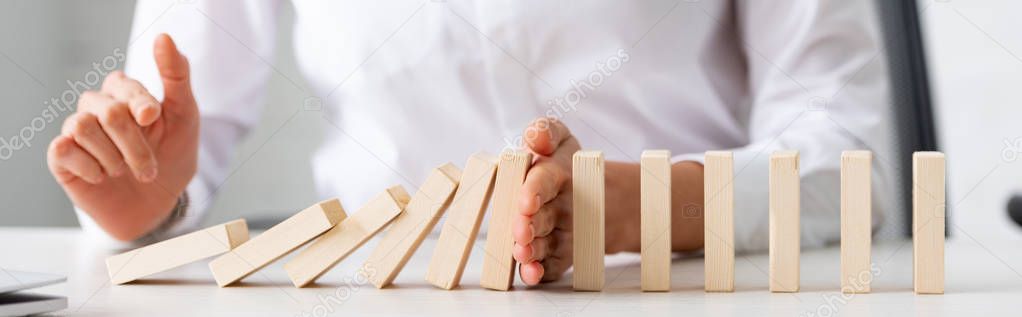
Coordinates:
x,y
910,92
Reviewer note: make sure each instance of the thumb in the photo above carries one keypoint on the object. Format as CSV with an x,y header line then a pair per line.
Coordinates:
x,y
174,72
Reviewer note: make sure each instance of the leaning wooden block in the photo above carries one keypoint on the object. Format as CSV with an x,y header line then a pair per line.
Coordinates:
x,y
499,264
719,227
409,229
784,222
655,209
276,242
587,182
175,252
333,246
463,220
928,222
856,221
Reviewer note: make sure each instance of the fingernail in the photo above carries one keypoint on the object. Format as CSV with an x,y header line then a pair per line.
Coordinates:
x,y
532,229
97,179
149,173
152,111
151,107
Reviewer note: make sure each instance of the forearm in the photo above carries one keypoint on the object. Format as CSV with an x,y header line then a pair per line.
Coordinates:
x,y
623,200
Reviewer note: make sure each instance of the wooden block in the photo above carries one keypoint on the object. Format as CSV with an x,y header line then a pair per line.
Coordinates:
x,y
499,264
463,220
655,209
276,242
175,252
587,181
409,229
719,227
336,244
784,222
928,222
856,221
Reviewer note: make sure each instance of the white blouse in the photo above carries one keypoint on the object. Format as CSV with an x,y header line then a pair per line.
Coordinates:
x,y
409,85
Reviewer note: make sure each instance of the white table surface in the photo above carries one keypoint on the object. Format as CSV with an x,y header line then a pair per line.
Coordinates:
x,y
980,279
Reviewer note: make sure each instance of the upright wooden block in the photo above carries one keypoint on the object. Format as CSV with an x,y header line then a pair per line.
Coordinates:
x,y
784,222
856,221
587,181
463,220
655,209
409,229
499,264
333,246
719,226
276,242
928,222
175,252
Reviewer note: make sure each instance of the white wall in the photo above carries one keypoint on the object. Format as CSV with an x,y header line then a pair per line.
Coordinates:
x,y
42,45
975,55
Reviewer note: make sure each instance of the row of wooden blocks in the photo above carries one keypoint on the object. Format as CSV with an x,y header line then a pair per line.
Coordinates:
x,y
928,191
465,195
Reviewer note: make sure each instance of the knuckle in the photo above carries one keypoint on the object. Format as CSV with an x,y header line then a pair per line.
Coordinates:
x,y
87,98
82,125
60,148
113,80
135,88
115,117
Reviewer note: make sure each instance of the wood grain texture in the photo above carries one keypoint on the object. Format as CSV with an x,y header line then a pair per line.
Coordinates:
x,y
407,231
463,220
784,221
588,203
719,228
856,221
347,236
498,262
928,179
655,207
276,242
175,252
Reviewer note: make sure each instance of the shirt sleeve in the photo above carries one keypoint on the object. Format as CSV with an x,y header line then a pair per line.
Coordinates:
x,y
819,85
229,45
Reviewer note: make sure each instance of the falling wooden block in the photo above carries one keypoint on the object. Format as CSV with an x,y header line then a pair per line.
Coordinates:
x,y
499,264
276,242
340,241
409,229
463,219
856,222
784,222
175,252
719,226
587,183
655,209
928,222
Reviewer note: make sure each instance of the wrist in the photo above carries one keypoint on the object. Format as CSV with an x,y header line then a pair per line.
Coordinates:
x,y
622,219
